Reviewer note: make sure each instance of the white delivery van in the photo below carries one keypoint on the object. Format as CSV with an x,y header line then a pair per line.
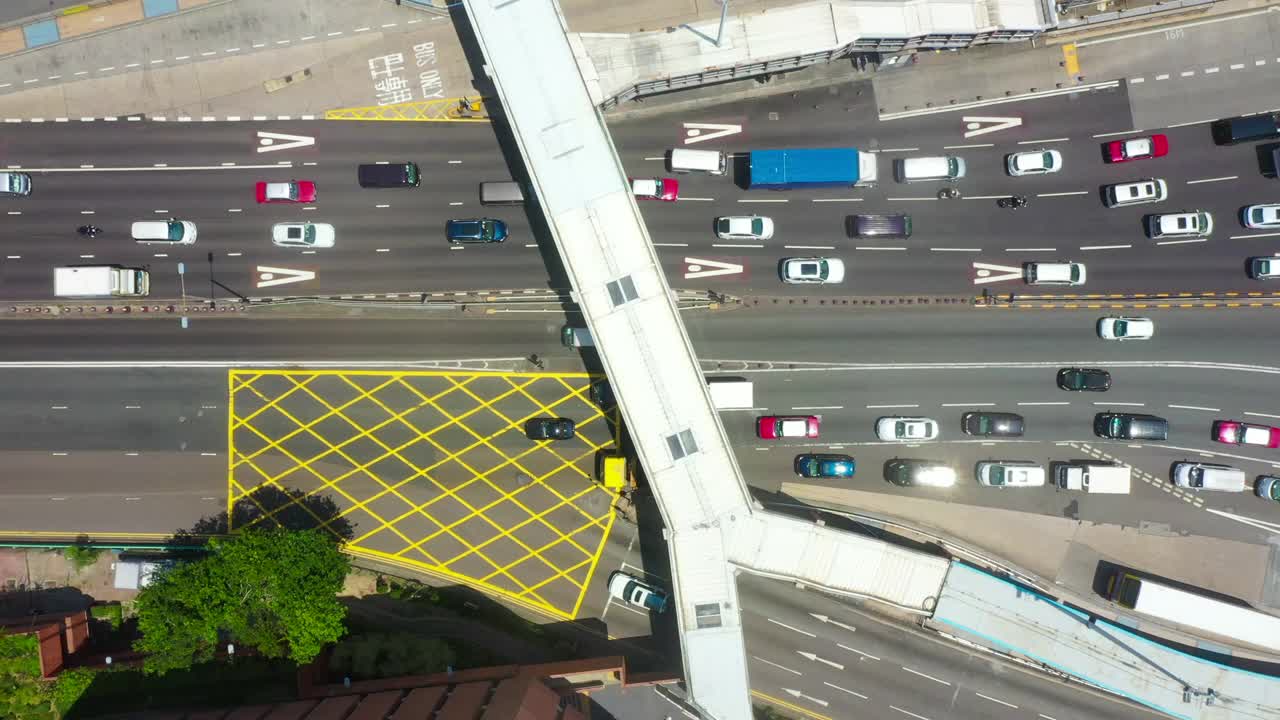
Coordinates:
x,y
681,160
100,281
731,393
1054,273
171,232
923,169
1093,477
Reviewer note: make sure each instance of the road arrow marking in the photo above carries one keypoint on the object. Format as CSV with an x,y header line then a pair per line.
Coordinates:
x,y
974,125
828,620
815,658
984,271
267,276
696,268
267,141
695,131
797,694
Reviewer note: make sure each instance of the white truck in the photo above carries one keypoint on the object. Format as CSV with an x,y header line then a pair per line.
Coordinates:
x,y
1092,477
100,281
731,393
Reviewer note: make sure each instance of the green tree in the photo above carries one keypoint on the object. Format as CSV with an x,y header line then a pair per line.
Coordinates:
x,y
22,694
82,554
371,656
274,591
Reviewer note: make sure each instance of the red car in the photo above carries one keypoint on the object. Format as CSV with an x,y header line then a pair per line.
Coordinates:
x,y
294,191
1234,432
772,427
667,189
1139,148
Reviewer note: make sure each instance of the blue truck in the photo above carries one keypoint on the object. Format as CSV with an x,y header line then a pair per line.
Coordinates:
x,y
810,167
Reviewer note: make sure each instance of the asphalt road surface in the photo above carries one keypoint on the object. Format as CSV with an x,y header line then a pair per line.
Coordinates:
x,y
391,241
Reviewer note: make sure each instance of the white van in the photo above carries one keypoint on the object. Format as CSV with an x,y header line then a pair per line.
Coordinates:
x,y
1208,476
175,232
1137,192
1053,273
923,169
576,337
680,160
731,393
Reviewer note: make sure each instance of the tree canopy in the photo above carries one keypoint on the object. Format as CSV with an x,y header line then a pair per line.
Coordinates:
x,y
274,591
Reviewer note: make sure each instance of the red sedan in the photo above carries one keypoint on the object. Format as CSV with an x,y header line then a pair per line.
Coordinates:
x,y
294,191
1141,148
772,427
667,189
1234,432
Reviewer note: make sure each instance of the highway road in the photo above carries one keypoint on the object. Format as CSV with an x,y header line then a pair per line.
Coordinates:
x,y
391,241
816,652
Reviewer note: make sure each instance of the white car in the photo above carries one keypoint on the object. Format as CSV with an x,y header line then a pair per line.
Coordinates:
x,y
1266,267
1196,223
1137,192
633,590
1126,328
1034,162
303,234
906,429
1010,473
744,227
801,271
1261,216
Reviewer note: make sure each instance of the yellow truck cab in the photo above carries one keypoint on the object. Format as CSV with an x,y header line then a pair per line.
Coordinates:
x,y
611,470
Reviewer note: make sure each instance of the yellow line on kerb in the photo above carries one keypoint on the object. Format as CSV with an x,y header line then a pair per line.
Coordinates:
x,y
1071,59
783,703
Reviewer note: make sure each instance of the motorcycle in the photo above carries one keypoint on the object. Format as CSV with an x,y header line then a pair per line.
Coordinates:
x,y
1013,202
948,194
89,230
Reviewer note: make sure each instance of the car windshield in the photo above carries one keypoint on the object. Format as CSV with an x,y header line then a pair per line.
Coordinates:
x,y
757,226
811,466
1258,215
996,475
486,230
175,230
1273,492
1121,327
984,424
1196,476
722,225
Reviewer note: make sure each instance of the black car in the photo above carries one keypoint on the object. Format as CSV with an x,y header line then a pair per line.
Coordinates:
x,y
602,394
545,428
989,424
1084,379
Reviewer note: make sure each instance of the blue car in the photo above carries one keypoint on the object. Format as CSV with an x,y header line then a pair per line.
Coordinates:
x,y
480,230
819,465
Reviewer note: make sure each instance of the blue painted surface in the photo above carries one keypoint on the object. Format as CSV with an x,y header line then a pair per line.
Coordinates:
x,y
152,8
41,33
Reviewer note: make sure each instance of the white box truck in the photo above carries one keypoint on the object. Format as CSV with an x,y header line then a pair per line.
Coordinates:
x,y
731,393
100,281
1093,477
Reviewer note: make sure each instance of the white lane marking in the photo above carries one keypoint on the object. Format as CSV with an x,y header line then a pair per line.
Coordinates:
x,y
883,407
749,200
1113,134
975,126
837,687
1195,407
1259,63
983,197
818,407
1182,242
700,268
870,247
702,132
1251,522
1253,235
809,247
1064,194
1187,73
899,149
671,244
1212,70
735,245
856,650
1237,66
983,273
837,200
798,695
1162,76
1194,122
1030,249
1127,404
924,675
1216,179
272,142
938,249
1183,26
57,407
967,404
907,712
696,199
1104,247
780,667
975,145
827,619
792,629
1047,717
1040,142
931,197
996,700
1060,402
1137,80
1258,414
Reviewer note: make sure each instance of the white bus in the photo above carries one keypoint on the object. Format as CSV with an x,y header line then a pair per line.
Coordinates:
x,y
1239,622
